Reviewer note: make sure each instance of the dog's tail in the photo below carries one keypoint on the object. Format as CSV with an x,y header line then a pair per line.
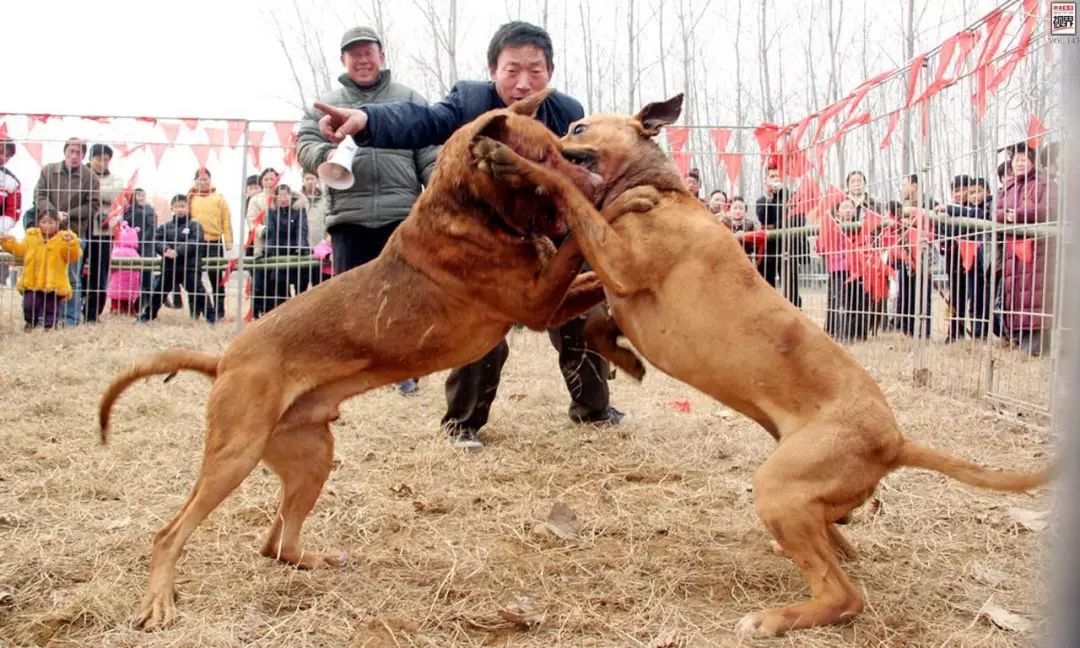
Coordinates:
x,y
914,455
168,362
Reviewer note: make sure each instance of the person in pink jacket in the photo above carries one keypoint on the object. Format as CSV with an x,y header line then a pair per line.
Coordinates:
x,y
124,285
1026,264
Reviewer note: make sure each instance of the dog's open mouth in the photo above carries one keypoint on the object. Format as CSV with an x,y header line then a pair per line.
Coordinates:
x,y
582,158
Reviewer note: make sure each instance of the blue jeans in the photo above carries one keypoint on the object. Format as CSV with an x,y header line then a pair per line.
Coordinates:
x,y
71,310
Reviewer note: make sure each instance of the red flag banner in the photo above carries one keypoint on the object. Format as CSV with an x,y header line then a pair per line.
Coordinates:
x,y
235,129
732,165
1036,131
255,139
117,206
766,135
171,131
969,250
202,154
945,57
966,41
720,138
677,137
863,89
148,120
96,118
1021,50
894,119
190,122
913,78
32,120
805,197
158,150
216,137
827,115
34,149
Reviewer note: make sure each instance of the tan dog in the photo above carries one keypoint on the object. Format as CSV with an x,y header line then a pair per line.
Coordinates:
x,y
682,290
469,261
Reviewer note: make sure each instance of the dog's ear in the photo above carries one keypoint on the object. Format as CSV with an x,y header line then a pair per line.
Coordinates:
x,y
529,105
495,127
656,115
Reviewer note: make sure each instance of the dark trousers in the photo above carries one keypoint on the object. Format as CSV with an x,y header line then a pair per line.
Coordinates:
x,y
470,390
262,298
98,254
280,281
355,245
212,250
969,294
177,273
847,316
40,308
785,271
908,289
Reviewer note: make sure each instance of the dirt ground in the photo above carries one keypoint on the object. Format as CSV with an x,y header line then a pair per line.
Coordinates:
x,y
444,545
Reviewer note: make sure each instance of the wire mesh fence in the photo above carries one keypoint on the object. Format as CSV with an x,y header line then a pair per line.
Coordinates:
x,y
917,213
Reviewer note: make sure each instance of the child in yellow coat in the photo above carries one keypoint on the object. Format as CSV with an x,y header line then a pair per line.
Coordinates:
x,y
46,253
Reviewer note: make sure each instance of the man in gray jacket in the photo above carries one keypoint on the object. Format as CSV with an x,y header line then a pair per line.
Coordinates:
x,y
361,219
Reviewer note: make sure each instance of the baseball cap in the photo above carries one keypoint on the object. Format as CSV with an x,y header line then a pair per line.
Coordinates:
x,y
360,35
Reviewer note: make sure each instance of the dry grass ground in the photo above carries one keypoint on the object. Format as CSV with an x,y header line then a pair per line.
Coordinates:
x,y
441,542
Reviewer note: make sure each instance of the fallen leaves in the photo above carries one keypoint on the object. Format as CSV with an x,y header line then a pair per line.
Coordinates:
x,y
1004,619
563,522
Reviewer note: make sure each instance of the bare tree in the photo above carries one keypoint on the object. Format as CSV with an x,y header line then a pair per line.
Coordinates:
x,y
586,25
834,75
763,67
870,155
663,49
740,112
909,54
302,46
442,29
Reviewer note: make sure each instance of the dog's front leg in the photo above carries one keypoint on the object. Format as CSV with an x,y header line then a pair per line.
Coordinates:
x,y
585,292
542,298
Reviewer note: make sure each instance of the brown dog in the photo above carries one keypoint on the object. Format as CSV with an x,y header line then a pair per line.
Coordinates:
x,y
682,290
471,259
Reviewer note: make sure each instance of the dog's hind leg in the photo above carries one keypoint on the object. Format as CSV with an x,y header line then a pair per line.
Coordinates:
x,y
234,443
601,335
798,506
302,457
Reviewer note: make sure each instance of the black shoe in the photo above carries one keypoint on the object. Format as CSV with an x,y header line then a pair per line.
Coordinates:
x,y
466,439
609,416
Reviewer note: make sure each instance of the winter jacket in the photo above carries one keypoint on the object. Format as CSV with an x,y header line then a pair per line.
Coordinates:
x,y
184,235
412,125
44,262
10,199
388,180
1027,263
125,285
212,214
111,186
144,220
286,232
772,213
74,191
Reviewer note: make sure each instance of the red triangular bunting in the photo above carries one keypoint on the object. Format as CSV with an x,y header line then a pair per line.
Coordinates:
x,y
190,122
255,139
913,77
894,119
235,129
732,165
1036,131
216,137
171,130
148,120
766,135
202,154
34,149
968,251
158,150
720,138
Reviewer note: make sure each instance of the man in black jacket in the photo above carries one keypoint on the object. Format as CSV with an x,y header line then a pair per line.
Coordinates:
x,y
520,61
180,244
784,252
969,288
